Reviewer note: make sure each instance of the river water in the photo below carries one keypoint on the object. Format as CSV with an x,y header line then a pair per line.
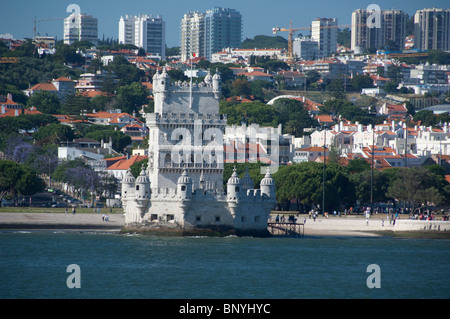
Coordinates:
x,y
34,265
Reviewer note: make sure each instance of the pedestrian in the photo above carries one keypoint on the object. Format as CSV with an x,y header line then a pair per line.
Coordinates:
x,y
67,209
73,210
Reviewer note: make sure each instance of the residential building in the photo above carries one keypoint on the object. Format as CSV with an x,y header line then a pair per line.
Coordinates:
x,y
80,27
192,35
432,29
144,31
90,82
328,68
293,78
223,29
309,154
324,31
9,107
61,86
376,30
305,48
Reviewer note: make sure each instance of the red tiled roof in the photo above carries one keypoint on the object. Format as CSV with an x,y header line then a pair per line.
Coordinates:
x,y
125,164
44,87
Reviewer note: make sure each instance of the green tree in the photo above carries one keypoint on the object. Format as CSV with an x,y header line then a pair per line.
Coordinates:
x,y
18,179
131,97
54,134
361,81
416,186
294,117
76,104
426,118
304,182
241,87
45,102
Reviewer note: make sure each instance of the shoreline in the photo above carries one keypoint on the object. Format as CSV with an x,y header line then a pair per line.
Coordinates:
x,y
351,226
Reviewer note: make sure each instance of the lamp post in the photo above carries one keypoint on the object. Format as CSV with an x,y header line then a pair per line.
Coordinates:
x,y
324,128
372,164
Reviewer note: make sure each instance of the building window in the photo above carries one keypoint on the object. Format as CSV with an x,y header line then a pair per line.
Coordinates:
x,y
217,219
153,217
198,218
236,188
170,217
183,187
137,187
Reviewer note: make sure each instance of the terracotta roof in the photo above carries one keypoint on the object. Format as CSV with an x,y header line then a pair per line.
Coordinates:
x,y
63,79
125,164
44,87
313,149
256,73
94,93
32,110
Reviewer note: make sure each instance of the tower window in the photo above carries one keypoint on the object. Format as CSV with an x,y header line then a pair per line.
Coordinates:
x,y
137,187
183,188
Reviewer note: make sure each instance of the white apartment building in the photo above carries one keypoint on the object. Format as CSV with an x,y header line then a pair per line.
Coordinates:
x,y
80,27
305,48
192,35
376,30
432,29
144,31
324,31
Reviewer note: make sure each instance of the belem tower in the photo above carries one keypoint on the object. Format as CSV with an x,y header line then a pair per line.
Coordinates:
x,y
181,191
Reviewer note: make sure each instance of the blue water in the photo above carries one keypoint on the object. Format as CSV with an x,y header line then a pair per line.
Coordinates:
x,y
34,264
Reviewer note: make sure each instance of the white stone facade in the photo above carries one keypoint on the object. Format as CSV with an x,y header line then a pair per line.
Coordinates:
x,y
181,190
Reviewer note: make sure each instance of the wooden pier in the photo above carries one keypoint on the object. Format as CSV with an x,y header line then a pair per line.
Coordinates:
x,y
292,229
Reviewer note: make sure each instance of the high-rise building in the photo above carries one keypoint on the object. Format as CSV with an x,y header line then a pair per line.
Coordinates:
x,y
210,32
378,30
432,29
324,31
223,29
144,31
80,27
192,35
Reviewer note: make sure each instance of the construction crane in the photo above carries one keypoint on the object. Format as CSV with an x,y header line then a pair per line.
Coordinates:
x,y
290,41
292,30
35,21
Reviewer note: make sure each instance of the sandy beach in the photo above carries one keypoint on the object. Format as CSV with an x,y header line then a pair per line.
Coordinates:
x,y
61,221
332,226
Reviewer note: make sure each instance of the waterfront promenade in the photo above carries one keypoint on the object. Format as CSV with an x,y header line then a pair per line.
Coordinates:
x,y
353,225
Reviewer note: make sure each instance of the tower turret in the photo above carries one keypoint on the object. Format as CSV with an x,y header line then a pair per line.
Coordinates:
x,y
267,185
234,186
184,186
208,78
128,186
216,85
142,189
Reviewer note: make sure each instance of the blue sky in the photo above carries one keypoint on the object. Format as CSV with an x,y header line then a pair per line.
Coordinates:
x,y
259,16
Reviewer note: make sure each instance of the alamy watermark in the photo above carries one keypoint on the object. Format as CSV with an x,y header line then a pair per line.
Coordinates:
x,y
207,148
374,279
74,279
374,19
